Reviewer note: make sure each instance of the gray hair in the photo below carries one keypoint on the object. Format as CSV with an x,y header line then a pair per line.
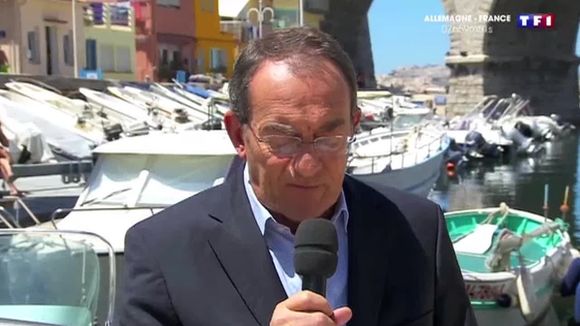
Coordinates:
x,y
297,46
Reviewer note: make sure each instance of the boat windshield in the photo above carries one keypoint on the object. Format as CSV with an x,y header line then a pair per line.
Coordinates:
x,y
48,277
406,121
133,180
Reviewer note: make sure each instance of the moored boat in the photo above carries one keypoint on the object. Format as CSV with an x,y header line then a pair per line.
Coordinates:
x,y
511,261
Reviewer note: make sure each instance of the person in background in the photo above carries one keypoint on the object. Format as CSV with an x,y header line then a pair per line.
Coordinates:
x,y
5,164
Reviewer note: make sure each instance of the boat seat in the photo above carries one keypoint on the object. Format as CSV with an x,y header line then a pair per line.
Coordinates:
x,y
479,241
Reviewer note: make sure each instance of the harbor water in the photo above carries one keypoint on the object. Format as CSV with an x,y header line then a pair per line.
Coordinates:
x,y
520,182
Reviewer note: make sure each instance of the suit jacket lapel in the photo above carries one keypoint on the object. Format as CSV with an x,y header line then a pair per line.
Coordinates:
x,y
368,250
242,252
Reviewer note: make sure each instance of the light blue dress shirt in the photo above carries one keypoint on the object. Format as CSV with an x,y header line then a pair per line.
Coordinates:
x,y
280,242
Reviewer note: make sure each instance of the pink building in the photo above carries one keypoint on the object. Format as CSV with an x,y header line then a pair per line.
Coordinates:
x,y
165,37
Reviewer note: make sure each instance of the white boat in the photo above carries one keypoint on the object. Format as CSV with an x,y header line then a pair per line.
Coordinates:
x,y
164,91
55,278
131,116
407,160
79,113
511,262
71,106
137,176
27,143
62,132
477,120
166,106
204,105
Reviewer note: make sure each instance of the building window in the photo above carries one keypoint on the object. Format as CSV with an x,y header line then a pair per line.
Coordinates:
x,y
123,59
164,57
207,5
67,45
285,18
119,15
91,54
218,60
107,57
200,62
169,3
32,51
176,58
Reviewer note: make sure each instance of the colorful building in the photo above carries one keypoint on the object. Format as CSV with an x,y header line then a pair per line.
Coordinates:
x,y
165,39
287,12
235,18
236,21
109,32
36,37
216,50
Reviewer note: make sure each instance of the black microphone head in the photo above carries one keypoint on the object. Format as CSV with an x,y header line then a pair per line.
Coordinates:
x,y
316,244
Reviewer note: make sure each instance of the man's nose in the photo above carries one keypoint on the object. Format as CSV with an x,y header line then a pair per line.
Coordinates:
x,y
307,164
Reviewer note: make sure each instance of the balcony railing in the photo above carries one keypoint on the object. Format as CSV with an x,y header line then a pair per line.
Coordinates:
x,y
242,30
101,14
232,27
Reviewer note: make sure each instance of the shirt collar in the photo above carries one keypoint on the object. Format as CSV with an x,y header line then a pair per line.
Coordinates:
x,y
262,215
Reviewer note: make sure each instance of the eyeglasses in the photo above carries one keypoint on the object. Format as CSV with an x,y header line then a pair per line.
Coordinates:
x,y
289,145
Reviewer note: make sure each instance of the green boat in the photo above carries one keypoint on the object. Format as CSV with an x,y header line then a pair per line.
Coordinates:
x,y
511,262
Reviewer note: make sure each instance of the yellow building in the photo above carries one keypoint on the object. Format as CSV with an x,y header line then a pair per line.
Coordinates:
x,y
109,31
215,50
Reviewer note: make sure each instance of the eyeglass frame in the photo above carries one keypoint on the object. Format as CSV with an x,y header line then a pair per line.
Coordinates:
x,y
300,143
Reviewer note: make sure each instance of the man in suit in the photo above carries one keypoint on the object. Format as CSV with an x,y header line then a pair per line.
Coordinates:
x,y
224,256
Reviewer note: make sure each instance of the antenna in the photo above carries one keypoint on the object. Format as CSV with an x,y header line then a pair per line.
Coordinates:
x,y
545,207
565,208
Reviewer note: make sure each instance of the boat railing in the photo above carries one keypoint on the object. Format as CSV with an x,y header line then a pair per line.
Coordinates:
x,y
61,211
8,218
435,145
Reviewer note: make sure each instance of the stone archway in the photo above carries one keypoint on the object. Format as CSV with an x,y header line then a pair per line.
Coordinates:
x,y
539,64
347,21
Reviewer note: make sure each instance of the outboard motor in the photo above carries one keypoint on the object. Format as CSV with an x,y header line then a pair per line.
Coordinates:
x,y
522,143
477,146
524,129
455,154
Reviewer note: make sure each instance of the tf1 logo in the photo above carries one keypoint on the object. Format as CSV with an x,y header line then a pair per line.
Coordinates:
x,y
536,21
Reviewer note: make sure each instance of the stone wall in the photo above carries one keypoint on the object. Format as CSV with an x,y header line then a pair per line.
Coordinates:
x,y
538,64
347,21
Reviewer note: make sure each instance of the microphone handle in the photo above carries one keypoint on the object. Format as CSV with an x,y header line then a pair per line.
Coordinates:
x,y
314,283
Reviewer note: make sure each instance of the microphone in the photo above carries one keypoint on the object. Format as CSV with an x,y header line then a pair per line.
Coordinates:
x,y
315,257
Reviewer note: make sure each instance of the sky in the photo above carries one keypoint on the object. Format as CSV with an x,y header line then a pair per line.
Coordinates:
x,y
400,37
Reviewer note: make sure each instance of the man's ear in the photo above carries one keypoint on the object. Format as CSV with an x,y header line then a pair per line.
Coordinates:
x,y
235,132
356,119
